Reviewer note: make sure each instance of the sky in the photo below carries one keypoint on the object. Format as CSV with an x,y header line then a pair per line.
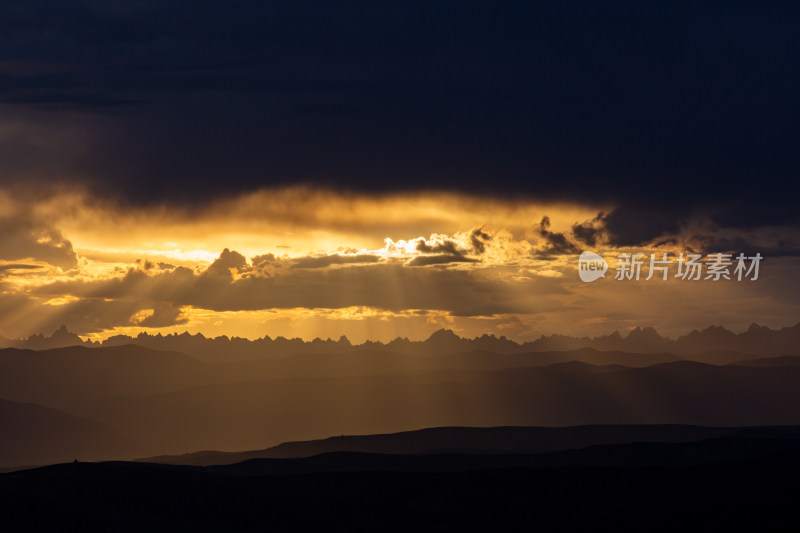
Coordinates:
x,y
388,169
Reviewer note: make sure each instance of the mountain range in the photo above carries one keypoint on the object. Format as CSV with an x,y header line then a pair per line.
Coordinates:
x,y
756,340
169,402
124,400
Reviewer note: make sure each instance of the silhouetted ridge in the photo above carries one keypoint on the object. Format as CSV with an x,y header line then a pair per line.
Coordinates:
x,y
755,341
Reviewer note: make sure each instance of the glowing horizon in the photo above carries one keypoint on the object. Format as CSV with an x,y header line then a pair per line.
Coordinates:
x,y
371,267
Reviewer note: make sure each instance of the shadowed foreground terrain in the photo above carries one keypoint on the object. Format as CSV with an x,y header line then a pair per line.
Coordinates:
x,y
498,441
710,485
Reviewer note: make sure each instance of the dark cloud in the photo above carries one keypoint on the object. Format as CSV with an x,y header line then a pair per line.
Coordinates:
x,y
441,259
163,315
22,237
227,263
383,285
556,243
145,264
263,260
478,238
748,213
709,244
444,251
21,315
321,261
673,106
447,247
11,267
589,231
634,224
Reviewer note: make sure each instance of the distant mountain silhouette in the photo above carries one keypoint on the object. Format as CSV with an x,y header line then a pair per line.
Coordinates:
x,y
32,435
786,360
59,339
73,378
172,403
252,414
69,377
756,340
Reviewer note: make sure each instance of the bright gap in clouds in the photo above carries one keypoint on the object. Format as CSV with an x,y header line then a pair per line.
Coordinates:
x,y
299,262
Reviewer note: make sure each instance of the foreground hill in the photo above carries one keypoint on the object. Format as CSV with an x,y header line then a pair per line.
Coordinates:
x,y
631,454
733,485
490,441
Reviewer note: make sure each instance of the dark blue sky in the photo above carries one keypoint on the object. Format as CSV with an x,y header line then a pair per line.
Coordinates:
x,y
663,108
